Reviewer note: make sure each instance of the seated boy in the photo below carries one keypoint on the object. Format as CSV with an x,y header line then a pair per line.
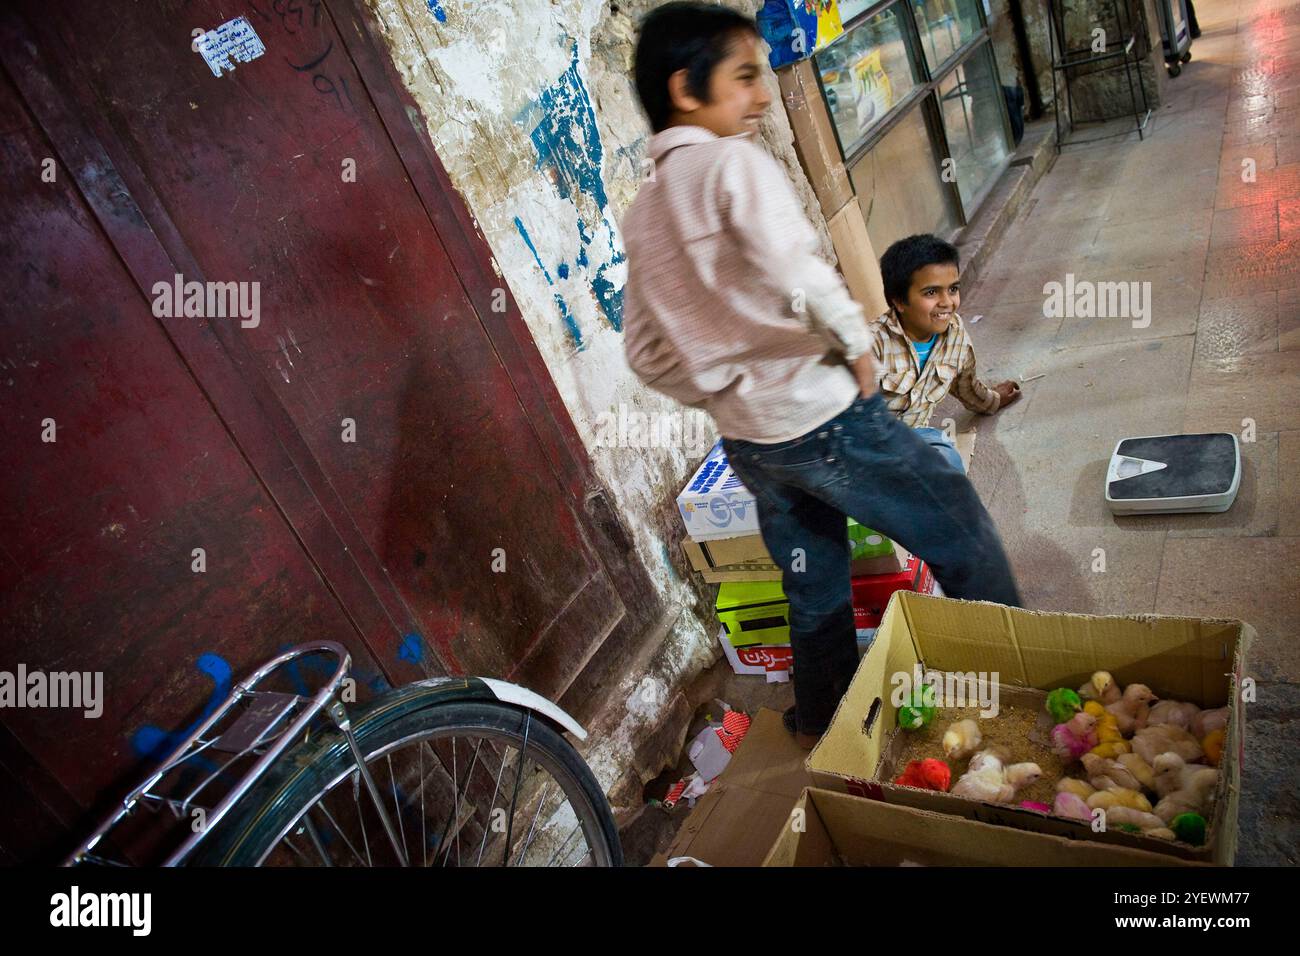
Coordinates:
x,y
921,343
728,308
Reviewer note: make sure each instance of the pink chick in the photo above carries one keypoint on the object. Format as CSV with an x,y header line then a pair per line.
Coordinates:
x,y
1069,805
1075,737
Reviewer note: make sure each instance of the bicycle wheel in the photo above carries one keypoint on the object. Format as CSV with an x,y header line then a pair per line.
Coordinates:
x,y
465,782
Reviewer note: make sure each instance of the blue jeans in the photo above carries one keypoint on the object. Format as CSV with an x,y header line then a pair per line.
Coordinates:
x,y
937,440
868,465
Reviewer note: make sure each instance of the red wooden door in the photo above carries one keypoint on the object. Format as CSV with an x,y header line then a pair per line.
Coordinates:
x,y
350,464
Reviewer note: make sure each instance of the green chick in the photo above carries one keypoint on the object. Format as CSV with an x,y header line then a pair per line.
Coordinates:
x,y
919,711
1189,827
1063,704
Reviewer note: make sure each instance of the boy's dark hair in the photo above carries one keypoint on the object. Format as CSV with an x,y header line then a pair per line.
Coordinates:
x,y
694,37
901,261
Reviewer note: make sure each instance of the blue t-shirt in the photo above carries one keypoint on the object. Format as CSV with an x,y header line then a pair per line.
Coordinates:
x,y
923,350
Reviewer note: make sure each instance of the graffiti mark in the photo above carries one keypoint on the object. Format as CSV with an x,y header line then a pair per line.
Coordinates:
x,y
156,744
411,649
569,322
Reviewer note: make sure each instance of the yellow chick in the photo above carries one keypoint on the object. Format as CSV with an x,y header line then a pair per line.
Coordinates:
x,y
1112,749
1107,723
1080,788
1119,797
962,739
1139,768
1213,747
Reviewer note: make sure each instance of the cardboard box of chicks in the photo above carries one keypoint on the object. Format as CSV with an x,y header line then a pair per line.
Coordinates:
x,y
1151,781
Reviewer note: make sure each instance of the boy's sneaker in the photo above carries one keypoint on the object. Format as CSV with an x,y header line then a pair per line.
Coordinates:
x,y
806,741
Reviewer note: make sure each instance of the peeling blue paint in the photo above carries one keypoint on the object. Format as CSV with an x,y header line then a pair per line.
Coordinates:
x,y
564,270
154,743
569,322
568,146
439,13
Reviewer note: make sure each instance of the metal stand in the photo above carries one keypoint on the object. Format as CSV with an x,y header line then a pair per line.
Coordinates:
x,y
1066,58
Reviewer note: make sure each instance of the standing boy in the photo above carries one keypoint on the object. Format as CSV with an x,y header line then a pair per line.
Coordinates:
x,y
729,309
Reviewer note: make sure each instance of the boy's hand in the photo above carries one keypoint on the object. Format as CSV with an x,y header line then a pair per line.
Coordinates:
x,y
867,372
1008,392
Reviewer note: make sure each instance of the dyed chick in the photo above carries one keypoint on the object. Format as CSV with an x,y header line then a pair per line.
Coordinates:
x,y
1133,707
1119,797
1111,749
1213,747
1072,806
1150,742
1080,788
1208,721
1176,804
1101,687
1063,704
962,739
1105,774
1173,712
928,774
1075,737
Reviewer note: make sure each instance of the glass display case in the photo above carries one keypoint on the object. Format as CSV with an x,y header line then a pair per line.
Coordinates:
x,y
913,93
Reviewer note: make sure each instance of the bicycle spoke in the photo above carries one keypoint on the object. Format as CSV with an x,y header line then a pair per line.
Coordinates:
x,y
361,816
491,807
424,840
532,828
564,844
514,799
397,810
339,830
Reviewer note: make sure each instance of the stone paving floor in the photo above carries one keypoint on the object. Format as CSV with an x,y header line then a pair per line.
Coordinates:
x,y
1207,210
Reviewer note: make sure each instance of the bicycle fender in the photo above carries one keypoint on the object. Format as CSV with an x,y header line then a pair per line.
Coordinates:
x,y
506,692
514,694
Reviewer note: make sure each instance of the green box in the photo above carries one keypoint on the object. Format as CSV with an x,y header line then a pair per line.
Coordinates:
x,y
754,612
867,543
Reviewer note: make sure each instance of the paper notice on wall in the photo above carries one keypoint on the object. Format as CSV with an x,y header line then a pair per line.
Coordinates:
x,y
235,40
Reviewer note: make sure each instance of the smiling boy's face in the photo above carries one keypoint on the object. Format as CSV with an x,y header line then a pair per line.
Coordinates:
x,y
932,300
738,97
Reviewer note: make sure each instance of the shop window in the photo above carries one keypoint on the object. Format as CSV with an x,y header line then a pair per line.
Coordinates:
x,y
944,26
971,104
899,187
865,73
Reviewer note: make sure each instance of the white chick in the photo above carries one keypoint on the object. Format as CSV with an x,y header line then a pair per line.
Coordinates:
x,y
1133,707
962,739
1138,818
1102,687
986,785
1150,742
989,757
1173,712
1175,774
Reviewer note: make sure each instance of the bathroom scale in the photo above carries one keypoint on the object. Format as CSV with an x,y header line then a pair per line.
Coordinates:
x,y
1174,473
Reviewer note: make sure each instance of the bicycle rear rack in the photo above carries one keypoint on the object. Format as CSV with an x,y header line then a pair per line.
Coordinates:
x,y
260,731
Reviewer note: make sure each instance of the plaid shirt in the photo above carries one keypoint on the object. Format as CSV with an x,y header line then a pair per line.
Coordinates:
x,y
912,393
